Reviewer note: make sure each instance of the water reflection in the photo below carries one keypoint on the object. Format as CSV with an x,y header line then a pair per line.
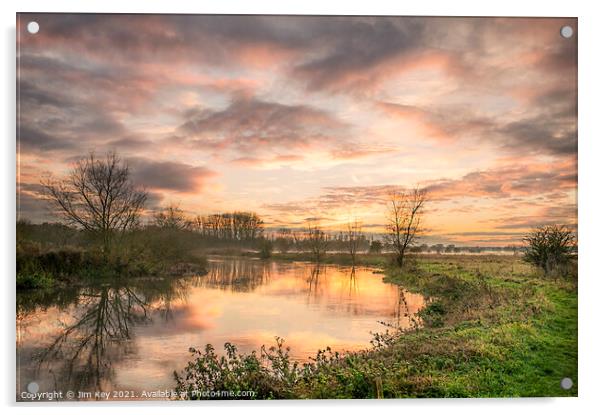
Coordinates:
x,y
96,327
313,280
132,336
237,274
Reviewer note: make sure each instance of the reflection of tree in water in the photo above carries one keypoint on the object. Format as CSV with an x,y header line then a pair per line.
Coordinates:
x,y
236,275
82,356
353,288
313,280
319,277
88,347
403,319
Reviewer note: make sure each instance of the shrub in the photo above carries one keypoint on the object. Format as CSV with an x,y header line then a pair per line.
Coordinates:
x,y
270,375
550,248
376,247
283,244
34,279
265,249
432,314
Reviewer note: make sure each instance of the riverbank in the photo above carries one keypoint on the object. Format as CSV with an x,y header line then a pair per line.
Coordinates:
x,y
494,327
69,267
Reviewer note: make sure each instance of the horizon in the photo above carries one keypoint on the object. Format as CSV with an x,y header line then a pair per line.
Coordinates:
x,y
311,117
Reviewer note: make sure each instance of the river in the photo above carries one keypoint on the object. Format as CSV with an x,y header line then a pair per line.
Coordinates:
x,y
132,336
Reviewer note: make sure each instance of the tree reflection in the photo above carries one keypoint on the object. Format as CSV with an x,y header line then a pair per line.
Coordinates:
x,y
313,280
82,356
236,275
403,318
352,282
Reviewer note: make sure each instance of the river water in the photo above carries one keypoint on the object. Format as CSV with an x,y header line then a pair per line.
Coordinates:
x,y
132,336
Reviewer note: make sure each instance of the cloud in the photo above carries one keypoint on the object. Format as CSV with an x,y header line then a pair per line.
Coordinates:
x,y
31,203
500,183
356,50
131,142
507,182
210,40
29,206
249,125
358,151
439,125
276,161
169,175
33,139
545,133
549,215
553,131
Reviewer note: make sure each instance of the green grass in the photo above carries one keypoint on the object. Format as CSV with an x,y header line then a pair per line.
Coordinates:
x,y
509,331
494,327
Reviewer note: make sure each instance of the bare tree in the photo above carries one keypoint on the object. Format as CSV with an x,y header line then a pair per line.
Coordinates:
x,y
98,196
317,241
172,217
354,235
404,220
235,226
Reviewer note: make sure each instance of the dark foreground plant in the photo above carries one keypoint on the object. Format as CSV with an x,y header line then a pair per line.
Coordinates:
x,y
270,375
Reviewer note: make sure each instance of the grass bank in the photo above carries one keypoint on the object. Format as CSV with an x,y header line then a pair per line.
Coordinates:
x,y
494,327
62,267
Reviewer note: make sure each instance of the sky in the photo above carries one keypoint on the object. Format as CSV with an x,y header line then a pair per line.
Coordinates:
x,y
310,117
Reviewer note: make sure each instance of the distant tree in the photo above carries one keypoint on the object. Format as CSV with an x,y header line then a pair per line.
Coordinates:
x,y
354,238
266,247
376,247
317,241
172,217
284,240
404,220
550,248
235,226
98,196
24,231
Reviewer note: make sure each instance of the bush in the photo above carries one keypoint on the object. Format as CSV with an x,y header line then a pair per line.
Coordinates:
x,y
376,247
432,314
283,244
270,375
265,249
27,280
550,248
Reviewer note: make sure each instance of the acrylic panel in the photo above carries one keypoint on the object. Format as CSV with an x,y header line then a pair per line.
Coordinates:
x,y
293,207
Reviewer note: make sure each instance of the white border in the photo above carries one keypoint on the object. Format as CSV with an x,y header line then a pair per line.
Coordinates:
x,y
590,68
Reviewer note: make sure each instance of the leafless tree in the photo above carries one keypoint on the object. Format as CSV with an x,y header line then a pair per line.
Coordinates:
x,y
236,226
316,240
404,220
354,235
172,217
98,196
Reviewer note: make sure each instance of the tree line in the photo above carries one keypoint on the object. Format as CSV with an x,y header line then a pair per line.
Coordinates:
x,y
99,197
